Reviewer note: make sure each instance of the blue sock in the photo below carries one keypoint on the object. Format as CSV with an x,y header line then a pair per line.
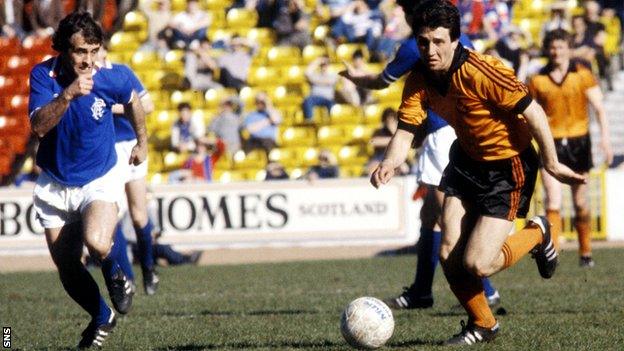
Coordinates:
x,y
120,252
168,253
110,267
488,287
81,287
144,241
428,258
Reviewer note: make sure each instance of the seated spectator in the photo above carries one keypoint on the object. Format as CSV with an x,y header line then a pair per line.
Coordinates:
x,y
226,125
45,16
186,129
381,138
262,125
200,67
11,24
235,63
358,25
200,166
322,86
292,24
349,92
326,168
275,171
267,11
190,26
336,9
395,30
159,35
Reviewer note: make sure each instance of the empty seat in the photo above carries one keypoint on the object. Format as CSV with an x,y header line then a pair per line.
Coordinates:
x,y
251,159
262,36
345,114
344,52
241,18
297,136
283,55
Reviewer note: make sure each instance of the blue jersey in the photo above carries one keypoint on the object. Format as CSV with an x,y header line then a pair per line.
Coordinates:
x,y
80,148
403,62
123,128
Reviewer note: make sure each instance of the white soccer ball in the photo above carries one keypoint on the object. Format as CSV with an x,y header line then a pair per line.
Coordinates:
x,y
367,323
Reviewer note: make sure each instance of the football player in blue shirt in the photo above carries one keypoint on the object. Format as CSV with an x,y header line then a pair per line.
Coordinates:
x,y
135,182
76,195
432,161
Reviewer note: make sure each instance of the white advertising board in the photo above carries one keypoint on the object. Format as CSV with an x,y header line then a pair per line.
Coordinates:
x,y
280,213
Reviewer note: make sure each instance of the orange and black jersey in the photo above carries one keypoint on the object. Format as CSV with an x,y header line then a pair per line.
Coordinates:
x,y
565,103
479,97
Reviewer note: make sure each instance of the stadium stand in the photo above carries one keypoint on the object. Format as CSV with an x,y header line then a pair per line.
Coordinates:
x,y
277,70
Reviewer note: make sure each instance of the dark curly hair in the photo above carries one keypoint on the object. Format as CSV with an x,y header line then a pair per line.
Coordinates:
x,y
556,34
437,13
73,23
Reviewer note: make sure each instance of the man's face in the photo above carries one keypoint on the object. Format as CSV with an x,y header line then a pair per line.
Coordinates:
x,y
559,52
436,48
82,55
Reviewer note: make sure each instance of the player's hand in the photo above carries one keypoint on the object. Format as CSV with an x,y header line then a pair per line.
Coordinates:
x,y
82,85
382,174
607,151
565,175
350,72
138,154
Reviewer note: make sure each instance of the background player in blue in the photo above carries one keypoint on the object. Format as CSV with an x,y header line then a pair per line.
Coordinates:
x,y
76,194
135,183
432,161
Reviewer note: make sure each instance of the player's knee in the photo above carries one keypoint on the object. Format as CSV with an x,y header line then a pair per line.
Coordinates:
x,y
139,219
98,249
478,267
445,253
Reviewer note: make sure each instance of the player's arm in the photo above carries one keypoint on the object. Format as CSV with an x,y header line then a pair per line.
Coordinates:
x,y
136,115
594,96
146,102
538,125
48,116
366,80
396,153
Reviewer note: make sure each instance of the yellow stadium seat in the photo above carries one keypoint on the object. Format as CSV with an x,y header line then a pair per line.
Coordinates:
x,y
296,136
158,178
296,172
146,61
321,33
372,113
251,159
172,81
247,96
333,135
354,171
294,74
224,163
214,97
311,52
283,96
192,97
124,41
352,155
362,132
308,156
160,97
287,157
178,5
216,34
216,4
262,36
344,52
217,18
119,57
283,55
229,176
345,114
173,160
241,18
165,119
291,115
391,94
134,21
174,60
263,76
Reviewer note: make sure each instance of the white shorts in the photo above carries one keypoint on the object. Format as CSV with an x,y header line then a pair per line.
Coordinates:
x,y
434,156
127,171
57,205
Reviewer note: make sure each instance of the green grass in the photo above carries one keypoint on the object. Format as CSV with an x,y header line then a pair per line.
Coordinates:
x,y
297,306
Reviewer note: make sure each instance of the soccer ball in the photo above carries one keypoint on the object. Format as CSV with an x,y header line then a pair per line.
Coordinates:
x,y
367,323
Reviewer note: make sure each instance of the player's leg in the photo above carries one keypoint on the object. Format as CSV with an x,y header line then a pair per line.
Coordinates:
x,y
120,252
65,245
99,220
137,202
582,223
552,202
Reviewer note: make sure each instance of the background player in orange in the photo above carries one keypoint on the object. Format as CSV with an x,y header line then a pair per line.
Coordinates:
x,y
565,88
492,166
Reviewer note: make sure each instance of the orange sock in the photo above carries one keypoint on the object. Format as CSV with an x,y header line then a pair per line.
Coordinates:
x,y
469,292
581,223
554,217
520,243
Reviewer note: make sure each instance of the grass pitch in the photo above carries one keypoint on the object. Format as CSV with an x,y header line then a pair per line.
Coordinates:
x,y
297,306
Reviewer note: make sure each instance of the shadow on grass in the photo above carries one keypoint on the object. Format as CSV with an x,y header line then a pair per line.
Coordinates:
x,y
240,313
405,250
249,345
415,342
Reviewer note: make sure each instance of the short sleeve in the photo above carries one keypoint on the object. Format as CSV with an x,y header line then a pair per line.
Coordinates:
x,y
124,93
497,84
405,58
587,78
135,82
412,111
41,92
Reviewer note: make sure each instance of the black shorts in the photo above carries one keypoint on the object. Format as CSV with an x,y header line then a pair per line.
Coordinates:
x,y
500,189
575,153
